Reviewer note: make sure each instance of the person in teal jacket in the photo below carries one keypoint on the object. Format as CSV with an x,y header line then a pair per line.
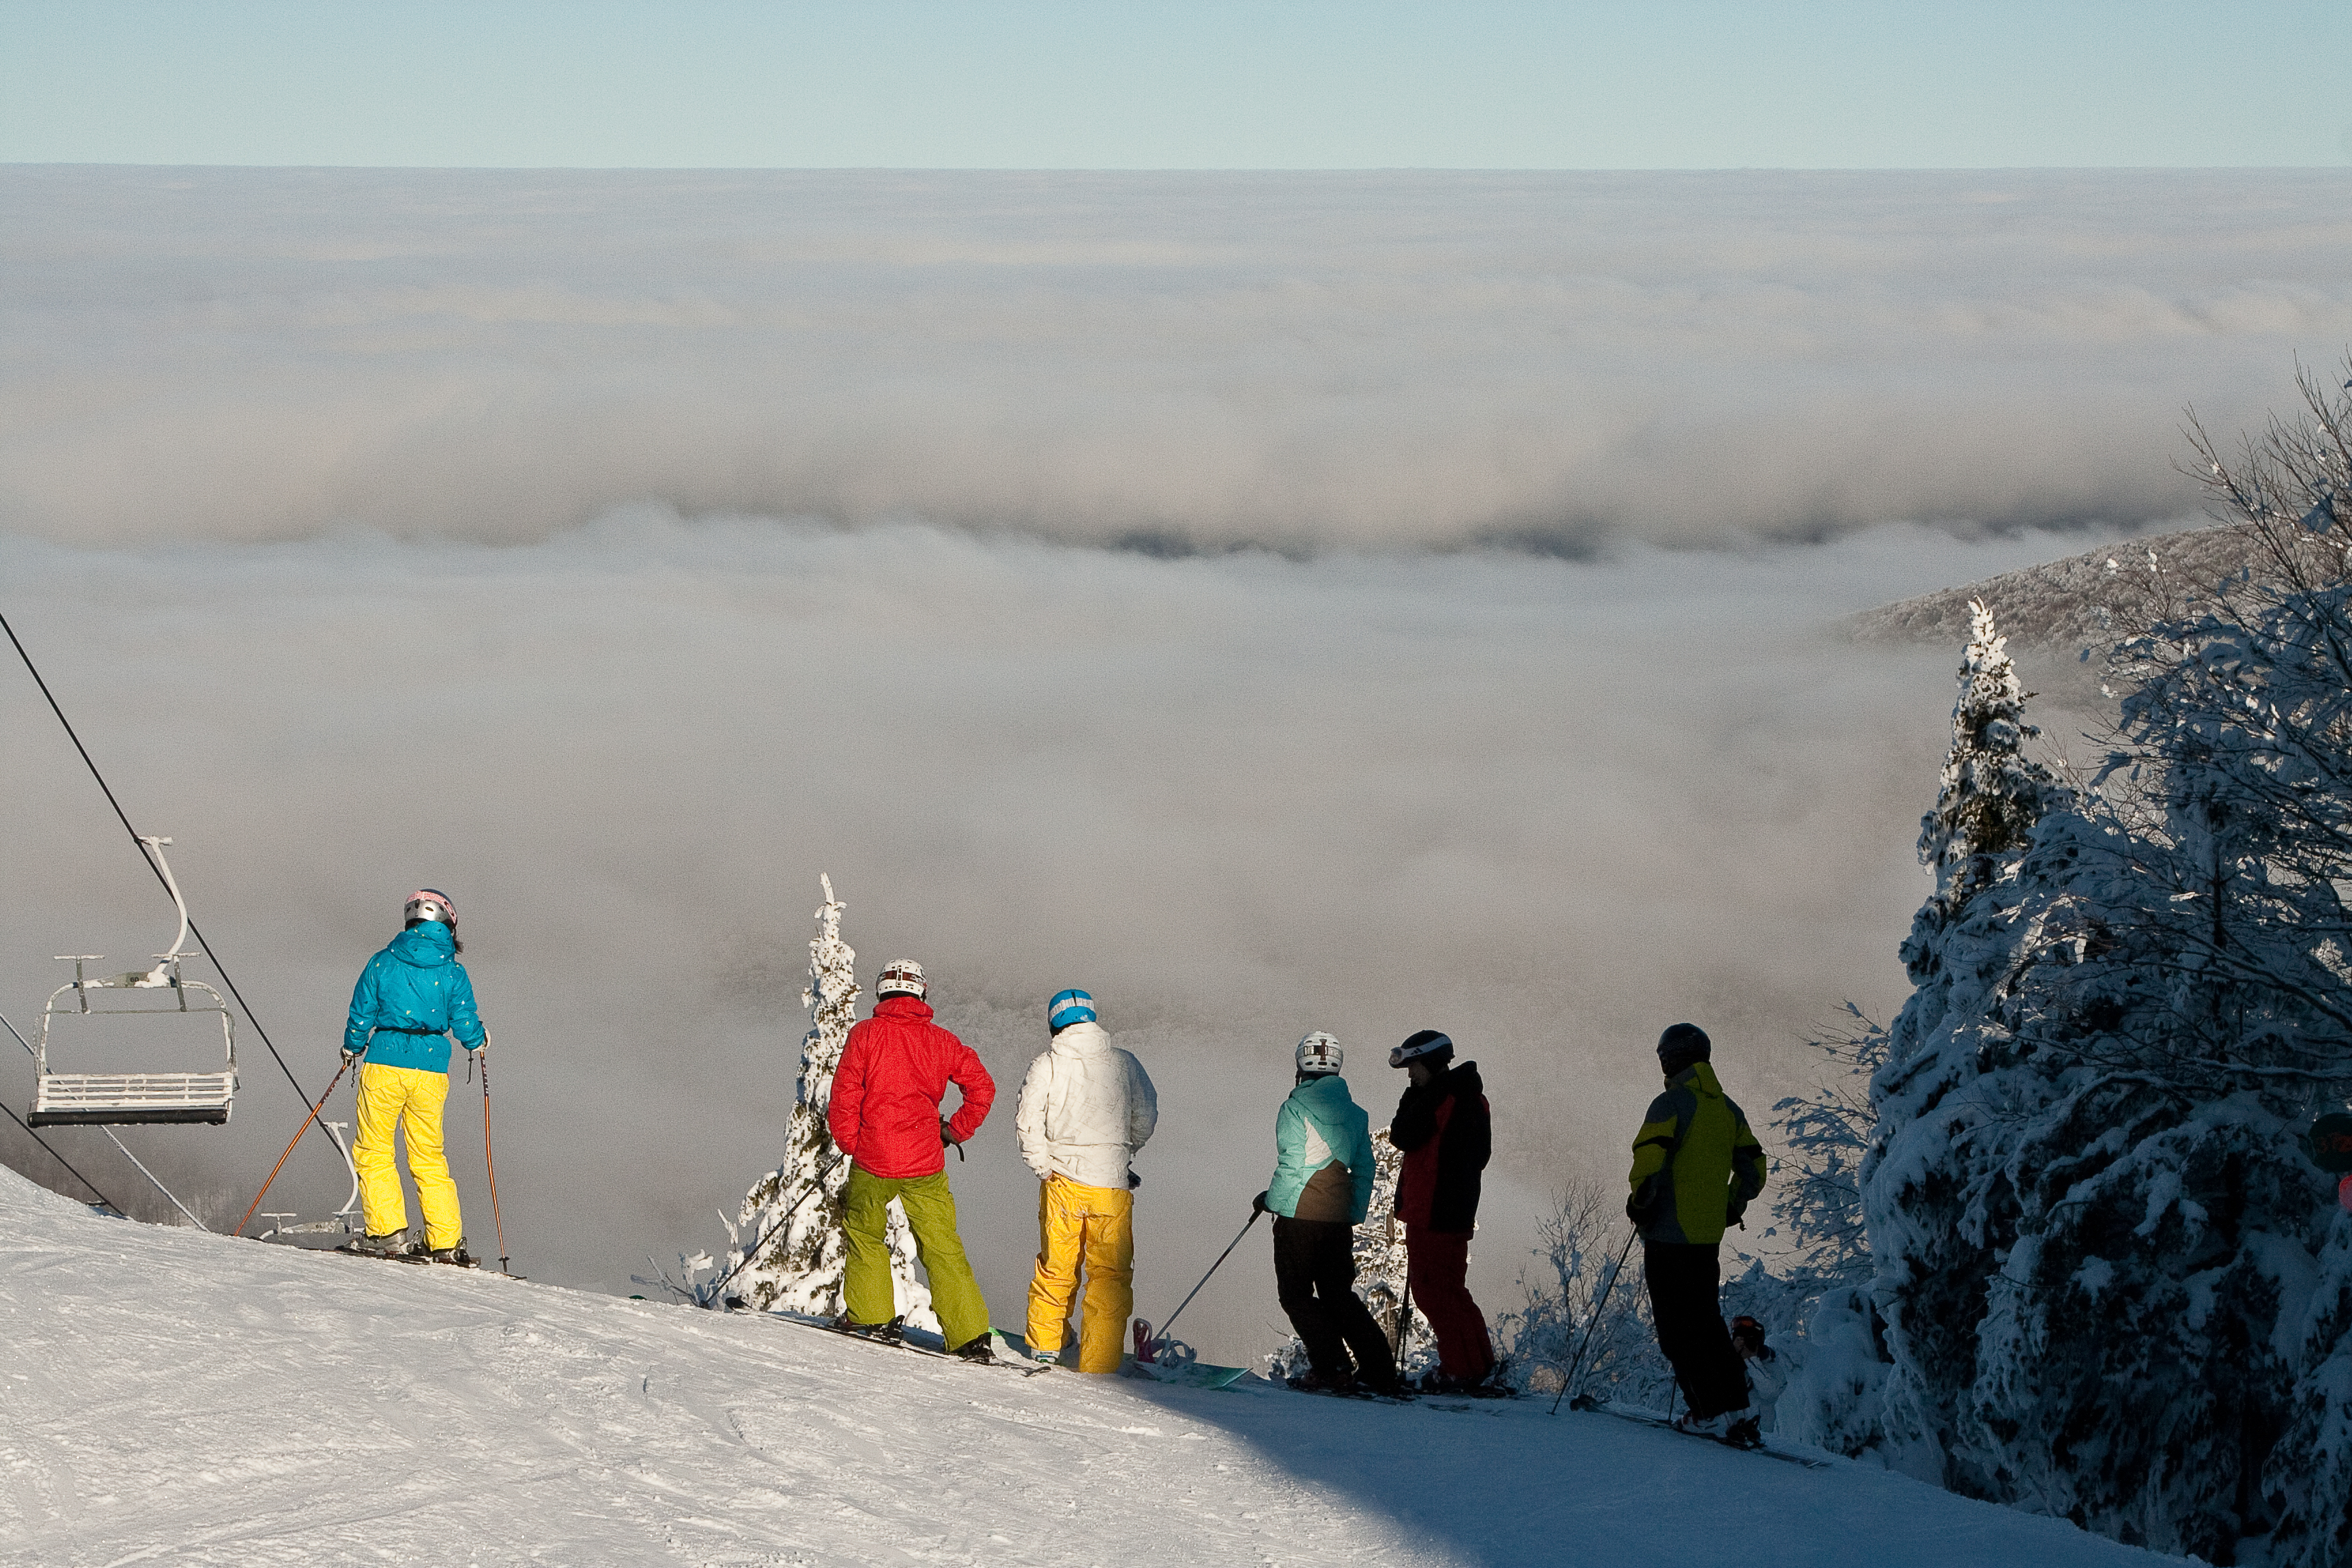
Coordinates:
x,y
1322,1187
410,999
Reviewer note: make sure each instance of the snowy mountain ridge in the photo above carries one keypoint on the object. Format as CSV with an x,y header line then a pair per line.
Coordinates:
x,y
179,1397
2062,605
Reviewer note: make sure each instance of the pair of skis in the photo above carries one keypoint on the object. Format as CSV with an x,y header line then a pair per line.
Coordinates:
x,y
1188,1375
423,1259
912,1341
1649,1418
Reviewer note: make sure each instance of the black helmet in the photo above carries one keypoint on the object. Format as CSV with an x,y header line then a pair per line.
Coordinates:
x,y
1423,1045
1682,1044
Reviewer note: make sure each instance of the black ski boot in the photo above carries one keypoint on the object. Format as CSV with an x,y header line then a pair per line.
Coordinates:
x,y
890,1333
980,1347
1311,1381
1490,1386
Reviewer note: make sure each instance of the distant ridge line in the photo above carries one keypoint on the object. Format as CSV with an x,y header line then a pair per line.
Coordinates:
x,y
2062,604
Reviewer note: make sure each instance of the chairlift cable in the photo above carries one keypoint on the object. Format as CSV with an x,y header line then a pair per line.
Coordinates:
x,y
124,818
62,1160
150,1176
111,1138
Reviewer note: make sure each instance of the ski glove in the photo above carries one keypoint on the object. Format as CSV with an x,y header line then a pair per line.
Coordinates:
x,y
1257,1204
351,1056
1133,1181
1644,1199
948,1139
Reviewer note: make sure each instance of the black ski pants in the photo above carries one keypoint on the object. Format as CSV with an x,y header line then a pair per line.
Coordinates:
x,y
1685,1302
1314,1278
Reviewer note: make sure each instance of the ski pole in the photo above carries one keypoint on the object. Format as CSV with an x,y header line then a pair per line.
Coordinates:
x,y
753,1251
487,1160
1404,1307
1606,1286
1228,1252
313,1116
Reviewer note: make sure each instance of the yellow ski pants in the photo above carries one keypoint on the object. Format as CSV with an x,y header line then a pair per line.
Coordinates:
x,y
1094,1226
391,1098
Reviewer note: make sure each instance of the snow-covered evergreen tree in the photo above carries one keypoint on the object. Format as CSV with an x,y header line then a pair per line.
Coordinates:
x,y
2178,1008
2256,696
796,1207
1935,1197
1992,793
2116,1288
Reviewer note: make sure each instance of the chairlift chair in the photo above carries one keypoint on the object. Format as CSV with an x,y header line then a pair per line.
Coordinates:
x,y
123,1099
339,1223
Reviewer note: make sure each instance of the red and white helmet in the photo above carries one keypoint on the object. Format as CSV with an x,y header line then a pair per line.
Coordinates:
x,y
430,904
1319,1055
899,977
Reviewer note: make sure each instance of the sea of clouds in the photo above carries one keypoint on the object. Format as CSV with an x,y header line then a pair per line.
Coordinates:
x,y
1297,361
1274,603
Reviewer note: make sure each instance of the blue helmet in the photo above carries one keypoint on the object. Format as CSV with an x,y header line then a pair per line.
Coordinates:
x,y
1069,1007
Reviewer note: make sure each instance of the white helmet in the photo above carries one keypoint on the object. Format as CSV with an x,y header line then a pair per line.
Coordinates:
x,y
1319,1055
899,977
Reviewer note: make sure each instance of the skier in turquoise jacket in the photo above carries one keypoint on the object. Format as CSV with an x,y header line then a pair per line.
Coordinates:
x,y
412,996
1321,1190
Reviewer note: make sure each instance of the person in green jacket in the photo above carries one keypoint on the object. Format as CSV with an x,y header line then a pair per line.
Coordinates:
x,y
1697,1167
1321,1190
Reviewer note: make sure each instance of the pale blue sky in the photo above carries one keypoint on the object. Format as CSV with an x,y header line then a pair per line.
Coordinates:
x,y
1304,84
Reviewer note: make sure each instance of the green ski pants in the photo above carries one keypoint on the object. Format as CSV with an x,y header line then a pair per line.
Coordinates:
x,y
931,1216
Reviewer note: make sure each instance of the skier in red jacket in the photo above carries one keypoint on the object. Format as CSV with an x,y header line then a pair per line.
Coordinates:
x,y
884,1116
1444,1130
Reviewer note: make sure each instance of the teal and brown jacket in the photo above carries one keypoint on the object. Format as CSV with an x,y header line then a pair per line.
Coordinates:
x,y
1696,1164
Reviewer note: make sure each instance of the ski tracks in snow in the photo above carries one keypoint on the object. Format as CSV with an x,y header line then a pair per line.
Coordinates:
x,y
172,1397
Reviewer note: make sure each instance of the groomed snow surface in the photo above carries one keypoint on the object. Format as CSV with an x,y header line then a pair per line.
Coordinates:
x,y
170,1396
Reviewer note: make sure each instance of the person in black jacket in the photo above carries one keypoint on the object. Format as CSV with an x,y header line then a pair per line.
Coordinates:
x,y
1446,1132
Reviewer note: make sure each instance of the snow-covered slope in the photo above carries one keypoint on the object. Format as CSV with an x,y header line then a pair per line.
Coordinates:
x,y
172,1396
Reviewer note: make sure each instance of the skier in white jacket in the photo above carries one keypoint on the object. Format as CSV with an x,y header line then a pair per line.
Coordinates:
x,y
1086,1108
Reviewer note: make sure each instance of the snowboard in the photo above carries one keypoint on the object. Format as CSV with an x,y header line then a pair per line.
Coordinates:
x,y
1147,1363
1184,1374
1646,1418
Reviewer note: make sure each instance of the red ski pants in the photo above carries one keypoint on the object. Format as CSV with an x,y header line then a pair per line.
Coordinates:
x,y
1437,1269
